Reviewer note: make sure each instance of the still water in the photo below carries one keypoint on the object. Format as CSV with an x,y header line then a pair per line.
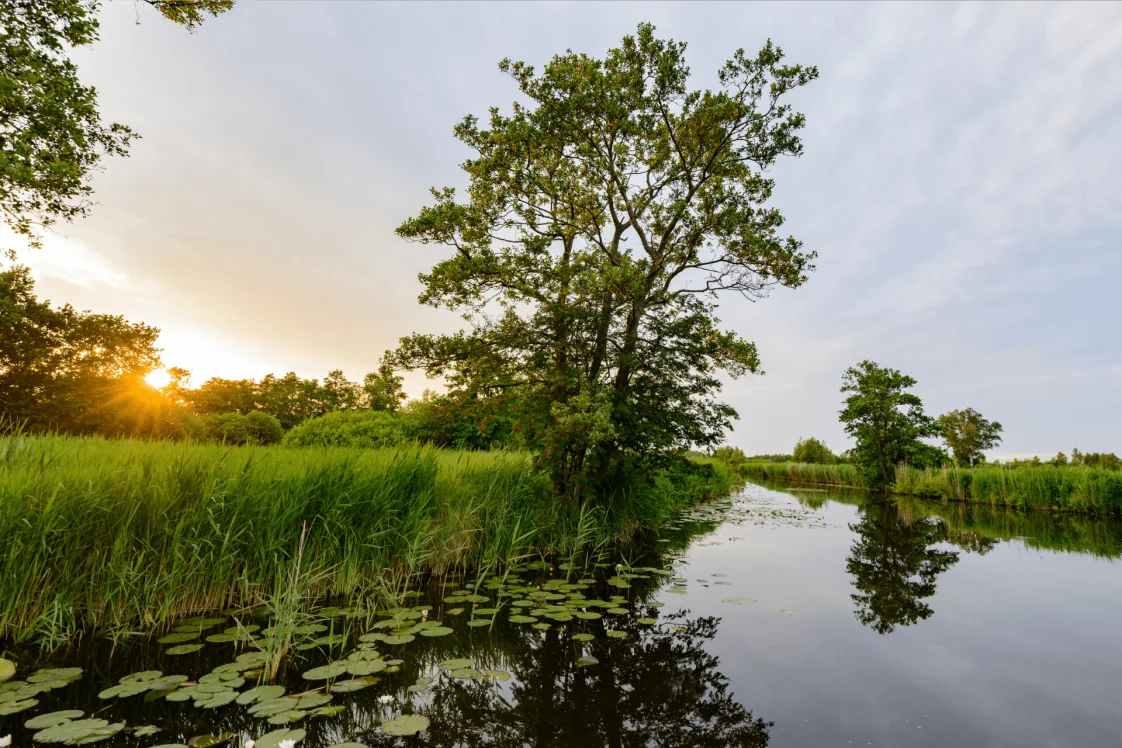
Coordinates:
x,y
782,617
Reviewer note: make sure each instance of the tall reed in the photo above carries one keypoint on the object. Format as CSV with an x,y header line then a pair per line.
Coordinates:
x,y
129,534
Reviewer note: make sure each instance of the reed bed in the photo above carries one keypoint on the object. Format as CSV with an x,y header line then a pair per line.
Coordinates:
x,y
1072,489
127,535
802,472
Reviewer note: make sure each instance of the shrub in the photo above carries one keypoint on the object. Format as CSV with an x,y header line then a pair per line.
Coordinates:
x,y
361,429
813,452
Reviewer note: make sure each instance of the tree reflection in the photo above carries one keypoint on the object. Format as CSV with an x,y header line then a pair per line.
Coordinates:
x,y
656,687
895,564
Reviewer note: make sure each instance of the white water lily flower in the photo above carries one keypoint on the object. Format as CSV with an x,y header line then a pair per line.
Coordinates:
x,y
5,741
385,699
250,743
287,744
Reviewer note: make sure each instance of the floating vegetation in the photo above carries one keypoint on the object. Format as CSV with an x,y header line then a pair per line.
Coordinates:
x,y
406,724
738,600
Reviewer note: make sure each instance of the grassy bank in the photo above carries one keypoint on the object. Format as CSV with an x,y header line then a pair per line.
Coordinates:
x,y
802,472
1071,489
126,535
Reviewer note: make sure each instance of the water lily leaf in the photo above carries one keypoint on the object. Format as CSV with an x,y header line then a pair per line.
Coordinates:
x,y
14,707
587,660
583,637
497,674
618,611
454,664
784,611
312,700
421,684
79,731
327,711
43,721
145,730
647,621
347,745
261,693
436,631
617,634
587,615
522,619
465,673
454,612
213,701
206,741
365,667
273,739
354,684
399,639
326,672
7,669
406,724
178,638
479,622
284,718
183,649
542,626
738,600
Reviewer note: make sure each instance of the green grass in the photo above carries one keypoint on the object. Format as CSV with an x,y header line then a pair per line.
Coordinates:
x,y
1071,489
128,535
801,472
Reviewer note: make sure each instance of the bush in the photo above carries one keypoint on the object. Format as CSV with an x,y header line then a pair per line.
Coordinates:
x,y
235,428
361,429
813,452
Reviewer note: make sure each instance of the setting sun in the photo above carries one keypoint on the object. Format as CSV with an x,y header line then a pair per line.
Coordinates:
x,y
158,379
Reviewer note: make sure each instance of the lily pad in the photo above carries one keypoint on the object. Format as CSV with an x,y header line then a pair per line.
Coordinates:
x,y
455,664
522,619
178,638
326,672
479,623
274,738
436,631
406,724
587,660
738,600
354,684
465,673
647,621
206,741
7,669
399,639
497,674
617,634
51,719
583,637
786,612
184,649
261,693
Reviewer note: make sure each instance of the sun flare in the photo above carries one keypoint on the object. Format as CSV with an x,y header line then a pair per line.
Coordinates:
x,y
157,379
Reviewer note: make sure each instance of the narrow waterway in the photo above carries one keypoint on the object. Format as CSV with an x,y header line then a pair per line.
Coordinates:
x,y
782,617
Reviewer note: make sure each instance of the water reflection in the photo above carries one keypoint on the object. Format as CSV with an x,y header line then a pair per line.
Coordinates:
x,y
895,562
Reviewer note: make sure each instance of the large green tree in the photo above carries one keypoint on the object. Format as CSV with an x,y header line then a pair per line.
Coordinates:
x,y
969,435
604,216
812,450
52,137
887,421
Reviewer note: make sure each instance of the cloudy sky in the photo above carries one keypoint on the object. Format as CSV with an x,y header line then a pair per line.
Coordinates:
x,y
961,183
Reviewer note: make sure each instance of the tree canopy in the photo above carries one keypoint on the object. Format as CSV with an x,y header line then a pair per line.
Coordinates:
x,y
604,216
969,435
887,421
52,137
813,451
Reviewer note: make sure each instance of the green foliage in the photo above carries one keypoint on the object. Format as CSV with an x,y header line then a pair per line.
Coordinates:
x,y
838,474
383,389
238,428
813,451
61,369
359,429
968,435
51,134
604,215
887,421
163,529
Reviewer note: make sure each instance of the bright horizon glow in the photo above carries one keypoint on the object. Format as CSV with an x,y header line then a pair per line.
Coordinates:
x,y
157,379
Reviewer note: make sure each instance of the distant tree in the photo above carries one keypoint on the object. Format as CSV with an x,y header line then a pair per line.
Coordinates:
x,y
383,389
51,134
73,371
289,399
731,456
814,451
218,395
339,393
1060,460
886,420
969,435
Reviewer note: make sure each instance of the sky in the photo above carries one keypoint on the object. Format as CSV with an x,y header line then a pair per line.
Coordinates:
x,y
960,183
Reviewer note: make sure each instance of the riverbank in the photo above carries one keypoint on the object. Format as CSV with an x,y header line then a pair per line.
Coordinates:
x,y
117,535
1069,489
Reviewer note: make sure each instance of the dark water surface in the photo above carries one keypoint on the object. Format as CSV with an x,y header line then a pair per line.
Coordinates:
x,y
789,617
